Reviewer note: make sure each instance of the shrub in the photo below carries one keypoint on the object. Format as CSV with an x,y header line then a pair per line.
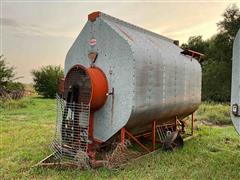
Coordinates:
x,y
46,80
8,88
6,72
15,90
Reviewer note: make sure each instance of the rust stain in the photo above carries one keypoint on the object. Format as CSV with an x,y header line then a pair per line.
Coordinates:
x,y
126,34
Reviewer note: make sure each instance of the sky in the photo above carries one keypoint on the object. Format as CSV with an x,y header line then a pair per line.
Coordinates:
x,y
39,33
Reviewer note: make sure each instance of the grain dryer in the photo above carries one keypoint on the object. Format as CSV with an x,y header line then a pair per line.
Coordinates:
x,y
122,81
235,93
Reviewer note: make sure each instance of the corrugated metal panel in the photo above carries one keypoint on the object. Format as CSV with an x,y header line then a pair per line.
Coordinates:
x,y
151,79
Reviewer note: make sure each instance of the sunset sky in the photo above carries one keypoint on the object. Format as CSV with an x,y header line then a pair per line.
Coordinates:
x,y
38,33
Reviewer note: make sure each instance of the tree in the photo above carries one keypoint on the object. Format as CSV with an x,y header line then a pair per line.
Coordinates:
x,y
216,81
196,43
6,73
46,80
230,24
8,87
217,63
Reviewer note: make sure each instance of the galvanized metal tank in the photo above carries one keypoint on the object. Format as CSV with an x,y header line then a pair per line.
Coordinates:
x,y
148,77
235,93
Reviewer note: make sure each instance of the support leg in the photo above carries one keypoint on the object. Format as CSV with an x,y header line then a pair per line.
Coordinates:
x,y
137,141
153,135
176,123
90,151
123,136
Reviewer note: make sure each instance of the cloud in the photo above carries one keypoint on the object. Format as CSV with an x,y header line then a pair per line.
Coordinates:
x,y
182,31
20,29
9,22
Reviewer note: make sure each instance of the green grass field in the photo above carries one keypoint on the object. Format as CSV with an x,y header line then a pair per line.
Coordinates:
x,y
27,128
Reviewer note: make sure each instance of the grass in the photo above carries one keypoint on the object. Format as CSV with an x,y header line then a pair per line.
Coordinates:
x,y
16,104
214,113
27,130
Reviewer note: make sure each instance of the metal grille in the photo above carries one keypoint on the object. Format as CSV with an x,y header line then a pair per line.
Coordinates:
x,y
163,132
78,82
71,135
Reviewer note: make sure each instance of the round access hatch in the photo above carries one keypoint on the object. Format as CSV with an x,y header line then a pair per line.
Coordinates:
x,y
86,85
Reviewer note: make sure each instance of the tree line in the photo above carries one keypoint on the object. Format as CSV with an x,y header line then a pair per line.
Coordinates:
x,y
217,63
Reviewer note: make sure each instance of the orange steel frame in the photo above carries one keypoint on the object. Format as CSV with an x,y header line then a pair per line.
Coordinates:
x,y
192,115
90,147
124,132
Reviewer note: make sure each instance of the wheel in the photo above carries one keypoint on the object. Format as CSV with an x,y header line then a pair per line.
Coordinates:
x,y
173,141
